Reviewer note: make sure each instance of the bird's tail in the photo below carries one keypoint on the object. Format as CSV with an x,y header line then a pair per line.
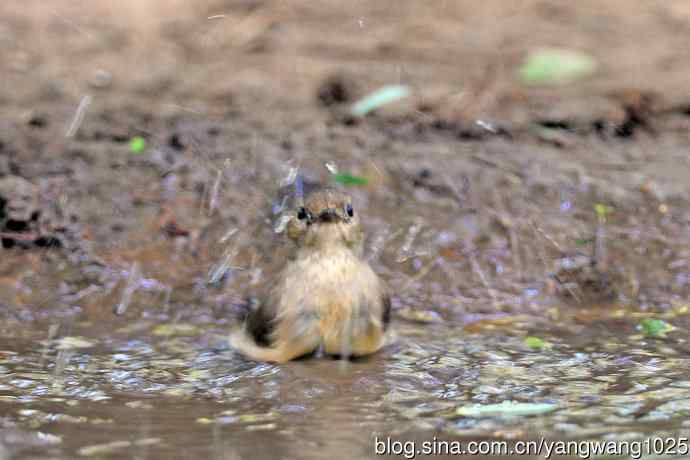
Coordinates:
x,y
279,353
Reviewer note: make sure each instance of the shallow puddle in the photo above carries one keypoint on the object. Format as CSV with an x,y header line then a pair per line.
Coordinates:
x,y
177,391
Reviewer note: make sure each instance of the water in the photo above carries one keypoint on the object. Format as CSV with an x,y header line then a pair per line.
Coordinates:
x,y
174,390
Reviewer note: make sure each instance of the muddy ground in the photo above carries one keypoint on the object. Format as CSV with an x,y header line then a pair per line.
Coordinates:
x,y
494,209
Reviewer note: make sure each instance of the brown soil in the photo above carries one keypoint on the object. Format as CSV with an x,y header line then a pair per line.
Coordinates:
x,y
229,95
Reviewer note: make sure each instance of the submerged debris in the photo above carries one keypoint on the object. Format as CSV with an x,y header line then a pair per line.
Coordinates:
x,y
71,343
114,446
419,316
505,409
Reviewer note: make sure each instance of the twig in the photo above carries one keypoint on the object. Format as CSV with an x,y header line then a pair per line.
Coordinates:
x,y
79,115
548,238
495,165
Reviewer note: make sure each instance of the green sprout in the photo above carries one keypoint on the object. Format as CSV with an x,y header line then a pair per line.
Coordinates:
x,y
602,210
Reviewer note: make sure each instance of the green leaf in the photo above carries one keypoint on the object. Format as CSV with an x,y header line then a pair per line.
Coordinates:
x,y
380,97
349,179
506,408
535,343
137,144
553,66
655,327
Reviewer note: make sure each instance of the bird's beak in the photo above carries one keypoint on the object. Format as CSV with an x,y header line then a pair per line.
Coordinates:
x,y
329,215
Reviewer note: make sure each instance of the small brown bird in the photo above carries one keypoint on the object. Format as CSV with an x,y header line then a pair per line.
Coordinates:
x,y
327,296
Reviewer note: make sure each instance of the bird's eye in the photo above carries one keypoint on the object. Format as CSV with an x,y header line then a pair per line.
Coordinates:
x,y
301,213
348,209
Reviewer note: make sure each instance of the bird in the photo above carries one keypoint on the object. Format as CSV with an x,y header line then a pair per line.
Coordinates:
x,y
326,297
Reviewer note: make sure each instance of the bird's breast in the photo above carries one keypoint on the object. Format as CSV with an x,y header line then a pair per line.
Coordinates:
x,y
340,293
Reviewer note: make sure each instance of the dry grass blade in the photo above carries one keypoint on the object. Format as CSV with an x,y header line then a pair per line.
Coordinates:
x,y
130,287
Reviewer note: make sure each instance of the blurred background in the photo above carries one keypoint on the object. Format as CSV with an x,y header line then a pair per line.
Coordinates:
x,y
208,50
